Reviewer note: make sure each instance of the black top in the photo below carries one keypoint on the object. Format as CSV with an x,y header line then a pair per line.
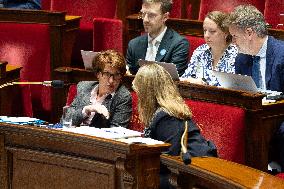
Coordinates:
x,y
167,128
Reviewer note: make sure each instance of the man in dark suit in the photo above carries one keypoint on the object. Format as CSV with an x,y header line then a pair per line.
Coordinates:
x,y
262,56
159,43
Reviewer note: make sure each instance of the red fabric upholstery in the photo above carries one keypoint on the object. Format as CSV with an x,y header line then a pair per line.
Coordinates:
x,y
280,175
107,34
224,125
194,43
227,6
45,4
272,10
28,45
88,10
135,123
176,9
72,92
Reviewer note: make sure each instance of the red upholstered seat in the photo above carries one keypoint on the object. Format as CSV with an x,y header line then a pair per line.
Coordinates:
x,y
88,10
28,45
227,6
194,42
280,175
135,123
176,9
72,92
107,34
272,11
224,125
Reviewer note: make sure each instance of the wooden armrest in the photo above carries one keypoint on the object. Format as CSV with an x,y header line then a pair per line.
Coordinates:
x,y
210,172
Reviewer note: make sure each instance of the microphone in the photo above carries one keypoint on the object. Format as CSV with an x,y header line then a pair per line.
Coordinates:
x,y
53,83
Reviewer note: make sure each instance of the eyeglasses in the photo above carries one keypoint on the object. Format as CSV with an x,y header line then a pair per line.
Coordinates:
x,y
108,75
150,15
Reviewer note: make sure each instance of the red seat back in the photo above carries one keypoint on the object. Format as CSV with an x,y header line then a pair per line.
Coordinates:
x,y
72,92
28,45
194,42
272,11
107,34
135,123
88,10
226,6
224,125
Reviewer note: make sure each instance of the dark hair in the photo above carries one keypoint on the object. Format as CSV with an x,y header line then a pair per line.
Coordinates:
x,y
219,18
112,57
166,5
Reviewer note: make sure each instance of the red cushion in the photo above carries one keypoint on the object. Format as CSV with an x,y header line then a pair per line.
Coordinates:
x,y
280,175
135,123
176,9
45,4
224,125
227,6
272,11
107,34
72,92
194,42
28,45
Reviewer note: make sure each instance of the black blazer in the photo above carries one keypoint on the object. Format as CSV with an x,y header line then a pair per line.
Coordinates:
x,y
173,49
167,128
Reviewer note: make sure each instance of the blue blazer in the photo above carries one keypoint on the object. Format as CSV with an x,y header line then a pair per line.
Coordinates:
x,y
173,49
274,73
23,4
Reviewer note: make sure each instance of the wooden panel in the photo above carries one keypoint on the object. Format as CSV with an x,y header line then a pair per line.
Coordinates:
x,y
48,158
49,170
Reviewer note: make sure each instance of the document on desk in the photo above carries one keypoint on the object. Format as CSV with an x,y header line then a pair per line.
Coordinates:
x,y
140,140
109,133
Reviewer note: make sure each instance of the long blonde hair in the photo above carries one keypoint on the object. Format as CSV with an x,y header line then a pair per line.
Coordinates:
x,y
156,89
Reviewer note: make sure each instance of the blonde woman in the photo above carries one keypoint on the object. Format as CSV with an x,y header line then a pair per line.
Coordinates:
x,y
164,113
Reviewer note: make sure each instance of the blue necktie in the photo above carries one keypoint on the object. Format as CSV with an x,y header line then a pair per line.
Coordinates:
x,y
256,76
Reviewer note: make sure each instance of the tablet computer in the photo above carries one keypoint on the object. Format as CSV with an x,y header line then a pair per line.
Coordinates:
x,y
88,57
236,81
170,67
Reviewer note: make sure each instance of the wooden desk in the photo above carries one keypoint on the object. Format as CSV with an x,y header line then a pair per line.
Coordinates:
x,y
210,172
8,73
32,157
261,120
